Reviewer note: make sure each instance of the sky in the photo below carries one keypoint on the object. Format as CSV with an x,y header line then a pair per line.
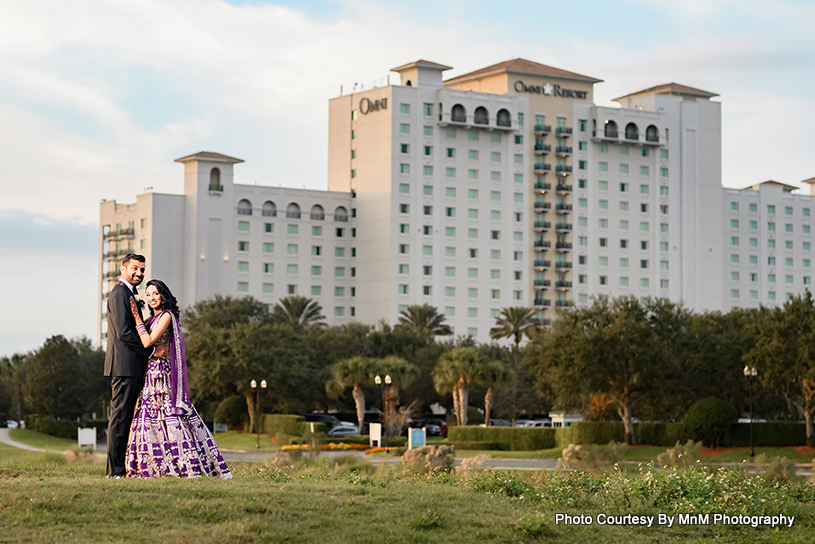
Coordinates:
x,y
97,98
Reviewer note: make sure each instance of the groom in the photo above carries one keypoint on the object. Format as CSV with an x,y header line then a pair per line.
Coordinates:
x,y
125,361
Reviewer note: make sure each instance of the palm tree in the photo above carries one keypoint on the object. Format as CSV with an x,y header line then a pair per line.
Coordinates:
x,y
298,311
514,322
424,320
402,374
493,375
454,373
354,372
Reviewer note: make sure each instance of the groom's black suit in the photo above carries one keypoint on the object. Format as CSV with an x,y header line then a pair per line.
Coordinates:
x,y
125,362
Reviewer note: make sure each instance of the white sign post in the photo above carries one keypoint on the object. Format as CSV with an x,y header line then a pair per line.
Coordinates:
x,y
87,437
376,435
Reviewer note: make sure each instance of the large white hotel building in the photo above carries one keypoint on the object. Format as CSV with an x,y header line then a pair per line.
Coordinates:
x,y
503,187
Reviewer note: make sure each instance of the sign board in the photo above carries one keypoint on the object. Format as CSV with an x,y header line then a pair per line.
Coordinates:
x,y
417,438
87,437
376,435
220,428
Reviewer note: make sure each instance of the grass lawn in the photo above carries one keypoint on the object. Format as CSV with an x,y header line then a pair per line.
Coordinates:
x,y
42,441
48,499
233,440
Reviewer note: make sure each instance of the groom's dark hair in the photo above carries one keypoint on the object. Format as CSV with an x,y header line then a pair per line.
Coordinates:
x,y
133,256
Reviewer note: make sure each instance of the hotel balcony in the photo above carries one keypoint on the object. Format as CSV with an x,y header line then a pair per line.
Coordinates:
x,y
562,151
605,135
563,246
110,255
124,233
542,264
563,227
542,206
542,168
542,284
563,169
563,266
652,139
542,149
563,189
478,120
541,186
542,226
563,208
564,132
541,245
113,274
632,137
541,130
563,285
541,302
563,303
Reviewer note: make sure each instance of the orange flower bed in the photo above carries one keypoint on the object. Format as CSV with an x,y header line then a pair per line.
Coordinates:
x,y
333,446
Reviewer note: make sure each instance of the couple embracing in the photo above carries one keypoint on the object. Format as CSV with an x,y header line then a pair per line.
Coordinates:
x,y
154,429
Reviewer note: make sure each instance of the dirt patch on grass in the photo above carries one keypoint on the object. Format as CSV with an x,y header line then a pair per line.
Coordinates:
x,y
711,452
804,450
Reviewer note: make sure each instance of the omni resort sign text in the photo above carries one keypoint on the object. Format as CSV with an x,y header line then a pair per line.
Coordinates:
x,y
549,90
366,106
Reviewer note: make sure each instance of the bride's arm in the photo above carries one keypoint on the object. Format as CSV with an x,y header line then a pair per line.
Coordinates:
x,y
149,338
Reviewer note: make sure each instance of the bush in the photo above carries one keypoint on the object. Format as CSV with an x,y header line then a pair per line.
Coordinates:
x,y
474,445
681,457
779,470
233,412
507,438
429,459
709,420
591,457
48,425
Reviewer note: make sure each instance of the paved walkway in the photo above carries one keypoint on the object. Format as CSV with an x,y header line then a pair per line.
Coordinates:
x,y
6,439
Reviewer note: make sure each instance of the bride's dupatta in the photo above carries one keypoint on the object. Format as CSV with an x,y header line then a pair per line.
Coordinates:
x,y
177,356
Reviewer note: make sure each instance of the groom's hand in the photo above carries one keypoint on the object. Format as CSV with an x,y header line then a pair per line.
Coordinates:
x,y
160,351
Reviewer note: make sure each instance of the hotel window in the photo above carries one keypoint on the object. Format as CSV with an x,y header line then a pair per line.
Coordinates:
x,y
788,279
771,244
404,269
269,227
643,226
643,170
788,227
623,187
805,212
291,269
495,156
450,212
581,259
603,167
788,210
404,228
519,139
582,240
663,265
644,189
403,249
603,223
495,196
404,188
292,229
806,246
427,230
663,191
426,290
495,215
243,266
788,244
581,183
403,289
496,137
806,229
404,168
404,108
428,210
623,168
268,268
472,174
316,270
806,263
449,291
663,246
603,280
472,213
243,246
267,288
495,176
291,289
472,194
519,159
472,233
428,131
451,133
581,164
428,109
404,148
734,240
519,178
473,154
806,280
450,172
427,250
788,261
644,263
603,204
427,270
518,255
427,190
450,232
450,192
602,185
603,261
623,150
427,170
624,224
496,234
353,134
143,244
734,223
316,250
582,222
771,261
404,128
450,271
428,150
291,249
770,208
581,146
582,202
623,262
472,273
243,226
495,254
243,287
753,277
753,259
474,135
753,225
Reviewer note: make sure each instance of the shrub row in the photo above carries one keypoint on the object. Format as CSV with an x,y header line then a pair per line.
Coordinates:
x,y
474,445
288,424
59,428
779,434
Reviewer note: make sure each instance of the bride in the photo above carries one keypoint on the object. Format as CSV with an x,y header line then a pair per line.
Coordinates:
x,y
168,437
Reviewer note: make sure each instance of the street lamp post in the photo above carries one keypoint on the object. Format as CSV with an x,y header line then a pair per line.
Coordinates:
x,y
257,389
378,382
750,373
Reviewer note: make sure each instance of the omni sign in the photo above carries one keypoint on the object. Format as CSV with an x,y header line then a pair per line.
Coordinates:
x,y
549,90
366,105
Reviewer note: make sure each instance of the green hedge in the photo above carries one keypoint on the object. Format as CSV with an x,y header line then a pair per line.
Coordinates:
x,y
474,445
288,424
59,428
779,434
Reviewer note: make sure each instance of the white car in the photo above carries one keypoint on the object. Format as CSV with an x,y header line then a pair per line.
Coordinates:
x,y
11,424
343,429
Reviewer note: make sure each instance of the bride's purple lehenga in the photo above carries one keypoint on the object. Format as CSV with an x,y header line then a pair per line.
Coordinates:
x,y
168,437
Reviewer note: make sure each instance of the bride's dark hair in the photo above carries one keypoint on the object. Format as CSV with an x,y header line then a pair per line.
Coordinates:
x,y
168,301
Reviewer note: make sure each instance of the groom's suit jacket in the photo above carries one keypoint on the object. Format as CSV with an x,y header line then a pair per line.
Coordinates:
x,y
125,354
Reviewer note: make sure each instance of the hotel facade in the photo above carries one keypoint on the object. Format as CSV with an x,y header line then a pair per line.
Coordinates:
x,y
503,187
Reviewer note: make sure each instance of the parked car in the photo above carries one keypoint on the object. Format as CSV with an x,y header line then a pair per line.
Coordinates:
x,y
500,422
329,420
433,426
344,429
11,424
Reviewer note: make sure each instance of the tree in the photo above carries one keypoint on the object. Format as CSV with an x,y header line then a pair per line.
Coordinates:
x,y
493,375
514,322
223,312
354,373
298,311
784,355
456,370
708,420
402,374
628,349
424,320
12,377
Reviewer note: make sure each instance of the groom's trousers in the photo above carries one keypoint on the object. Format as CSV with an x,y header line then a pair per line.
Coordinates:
x,y
124,394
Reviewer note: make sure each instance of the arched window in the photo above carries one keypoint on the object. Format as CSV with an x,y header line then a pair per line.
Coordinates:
x,y
215,180
651,134
611,129
269,209
244,207
317,212
631,132
503,119
481,116
293,211
458,114
340,214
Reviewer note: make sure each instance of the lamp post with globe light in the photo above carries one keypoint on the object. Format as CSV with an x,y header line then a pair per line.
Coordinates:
x,y
750,373
257,389
382,386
